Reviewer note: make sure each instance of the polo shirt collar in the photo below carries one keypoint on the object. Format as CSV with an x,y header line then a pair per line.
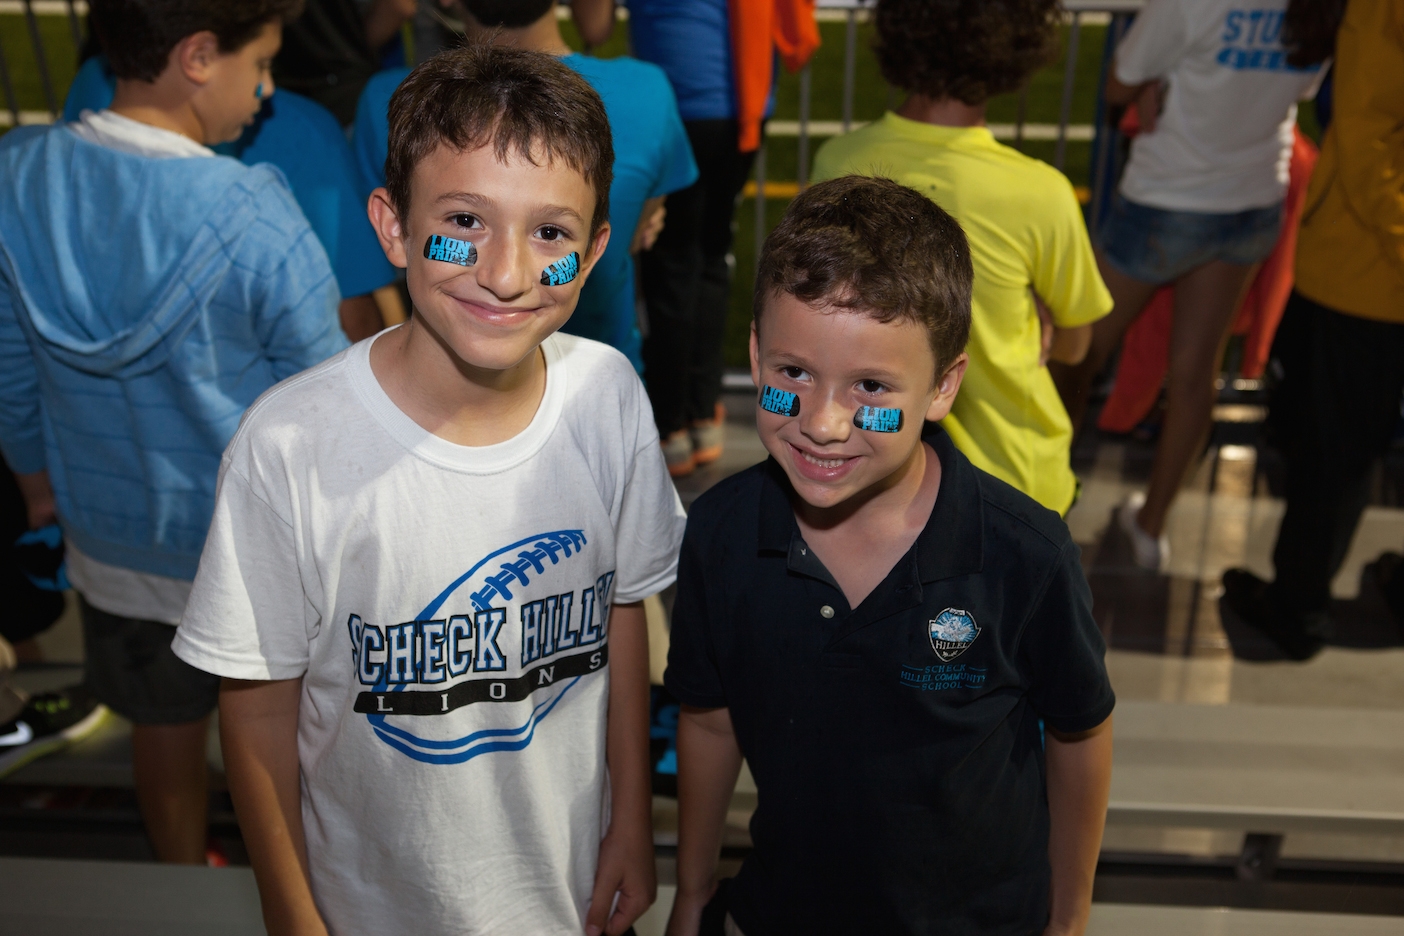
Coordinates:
x,y
952,542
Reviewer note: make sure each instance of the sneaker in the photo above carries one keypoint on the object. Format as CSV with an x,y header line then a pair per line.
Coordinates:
x,y
677,454
1246,596
49,722
708,435
1151,552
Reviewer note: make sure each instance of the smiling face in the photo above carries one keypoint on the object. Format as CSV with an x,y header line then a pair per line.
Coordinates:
x,y
521,219
836,361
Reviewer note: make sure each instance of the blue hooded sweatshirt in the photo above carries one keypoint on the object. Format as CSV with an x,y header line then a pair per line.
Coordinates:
x,y
144,304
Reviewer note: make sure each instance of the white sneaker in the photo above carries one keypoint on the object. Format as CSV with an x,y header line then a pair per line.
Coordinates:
x,y
1151,553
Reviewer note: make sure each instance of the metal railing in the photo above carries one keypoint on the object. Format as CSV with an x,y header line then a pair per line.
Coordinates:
x,y
1114,13
32,10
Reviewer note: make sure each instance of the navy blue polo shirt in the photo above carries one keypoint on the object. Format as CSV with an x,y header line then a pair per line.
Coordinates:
x,y
895,746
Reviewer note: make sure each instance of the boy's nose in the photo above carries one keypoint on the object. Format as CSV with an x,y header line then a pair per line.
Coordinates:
x,y
828,420
505,268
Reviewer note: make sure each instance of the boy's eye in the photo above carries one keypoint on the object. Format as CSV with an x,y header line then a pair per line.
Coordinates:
x,y
792,372
464,220
870,386
550,232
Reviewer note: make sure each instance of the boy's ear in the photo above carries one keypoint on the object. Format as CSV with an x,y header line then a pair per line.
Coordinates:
x,y
597,247
387,227
947,388
195,56
755,355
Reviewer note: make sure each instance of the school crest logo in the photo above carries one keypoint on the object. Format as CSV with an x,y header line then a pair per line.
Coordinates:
x,y
952,632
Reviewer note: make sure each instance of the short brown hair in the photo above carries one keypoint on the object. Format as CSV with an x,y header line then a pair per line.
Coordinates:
x,y
138,35
875,247
969,50
516,100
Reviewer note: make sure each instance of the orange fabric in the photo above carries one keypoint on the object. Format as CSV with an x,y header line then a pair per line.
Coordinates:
x,y
1145,350
759,29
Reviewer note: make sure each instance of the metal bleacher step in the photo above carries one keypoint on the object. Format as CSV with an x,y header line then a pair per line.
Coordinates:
x,y
41,897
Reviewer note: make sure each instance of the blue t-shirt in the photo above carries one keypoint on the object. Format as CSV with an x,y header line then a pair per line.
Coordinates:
x,y
652,157
303,139
691,41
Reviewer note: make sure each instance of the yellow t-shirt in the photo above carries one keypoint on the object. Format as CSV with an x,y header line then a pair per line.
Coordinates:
x,y
1026,236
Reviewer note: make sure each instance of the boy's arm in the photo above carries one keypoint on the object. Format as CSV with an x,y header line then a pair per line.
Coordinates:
x,y
709,760
626,854
1079,781
258,731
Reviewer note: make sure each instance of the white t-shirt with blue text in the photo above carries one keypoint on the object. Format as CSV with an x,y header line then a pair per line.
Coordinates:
x,y
1224,140
447,608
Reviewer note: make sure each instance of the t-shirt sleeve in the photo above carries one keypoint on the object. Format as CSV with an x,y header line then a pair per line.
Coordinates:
x,y
692,675
678,167
248,616
1158,39
1065,274
651,517
1063,653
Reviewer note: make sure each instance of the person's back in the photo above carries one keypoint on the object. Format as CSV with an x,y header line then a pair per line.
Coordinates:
x,y
303,139
149,291
1027,237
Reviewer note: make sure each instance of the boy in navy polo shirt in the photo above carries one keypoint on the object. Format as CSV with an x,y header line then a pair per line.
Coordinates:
x,y
879,627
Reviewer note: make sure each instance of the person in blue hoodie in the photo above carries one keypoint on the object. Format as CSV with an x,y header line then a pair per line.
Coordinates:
x,y
150,291
303,139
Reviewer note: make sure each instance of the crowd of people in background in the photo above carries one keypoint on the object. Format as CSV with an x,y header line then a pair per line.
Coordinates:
x,y
132,350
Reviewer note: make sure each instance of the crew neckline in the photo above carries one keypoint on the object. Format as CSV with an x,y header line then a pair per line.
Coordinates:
x,y
943,131
115,131
472,459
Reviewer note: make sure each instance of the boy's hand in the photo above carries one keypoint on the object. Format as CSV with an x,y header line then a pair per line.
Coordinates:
x,y
626,868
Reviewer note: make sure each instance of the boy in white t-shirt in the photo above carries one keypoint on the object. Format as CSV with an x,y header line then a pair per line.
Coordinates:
x,y
431,720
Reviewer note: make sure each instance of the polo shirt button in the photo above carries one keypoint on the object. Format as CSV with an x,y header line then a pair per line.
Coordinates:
x,y
827,611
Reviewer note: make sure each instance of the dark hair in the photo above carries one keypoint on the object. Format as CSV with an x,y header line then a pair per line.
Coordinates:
x,y
138,35
1309,30
873,246
970,50
509,14
519,101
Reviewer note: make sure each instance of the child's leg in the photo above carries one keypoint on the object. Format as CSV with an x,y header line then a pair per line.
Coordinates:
x,y
1205,301
1129,297
172,786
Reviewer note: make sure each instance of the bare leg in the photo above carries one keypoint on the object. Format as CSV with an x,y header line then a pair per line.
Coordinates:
x,y
1075,382
172,786
1205,301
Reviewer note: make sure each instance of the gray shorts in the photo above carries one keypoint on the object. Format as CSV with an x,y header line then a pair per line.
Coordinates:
x,y
131,669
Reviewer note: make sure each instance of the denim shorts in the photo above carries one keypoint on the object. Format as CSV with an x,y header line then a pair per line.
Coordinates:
x,y
1157,246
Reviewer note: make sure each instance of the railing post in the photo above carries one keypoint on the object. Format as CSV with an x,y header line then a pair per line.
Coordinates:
x,y
1069,79
760,199
805,83
850,68
39,59
10,100
74,28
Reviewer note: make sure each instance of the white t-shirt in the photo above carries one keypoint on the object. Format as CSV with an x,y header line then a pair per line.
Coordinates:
x,y
398,572
114,589
1224,140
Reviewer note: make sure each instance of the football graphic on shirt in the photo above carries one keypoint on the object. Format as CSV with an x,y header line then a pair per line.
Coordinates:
x,y
952,632
515,628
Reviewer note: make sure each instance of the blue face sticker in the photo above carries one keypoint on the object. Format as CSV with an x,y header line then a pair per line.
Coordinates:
x,y
562,271
780,402
258,92
450,250
878,419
